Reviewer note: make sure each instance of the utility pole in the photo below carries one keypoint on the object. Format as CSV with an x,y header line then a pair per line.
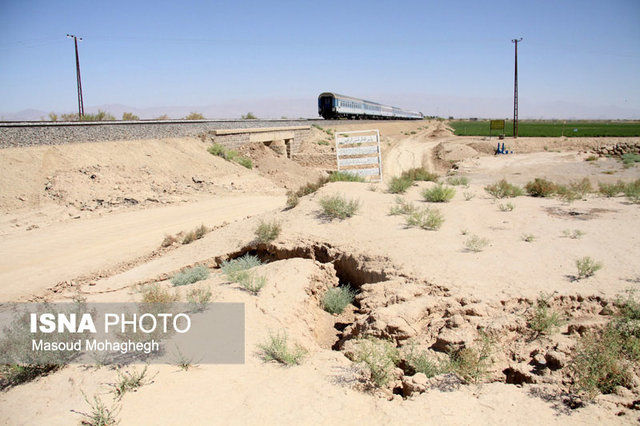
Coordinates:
x,y
79,80
515,91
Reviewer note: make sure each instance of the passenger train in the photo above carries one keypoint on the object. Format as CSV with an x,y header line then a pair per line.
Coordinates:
x,y
333,105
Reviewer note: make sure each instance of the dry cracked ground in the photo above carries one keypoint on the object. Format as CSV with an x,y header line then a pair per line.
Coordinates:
x,y
484,317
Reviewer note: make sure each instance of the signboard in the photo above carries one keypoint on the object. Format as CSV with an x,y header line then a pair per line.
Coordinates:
x,y
359,153
496,125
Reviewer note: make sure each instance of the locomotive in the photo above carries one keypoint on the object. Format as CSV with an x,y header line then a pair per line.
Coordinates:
x,y
333,105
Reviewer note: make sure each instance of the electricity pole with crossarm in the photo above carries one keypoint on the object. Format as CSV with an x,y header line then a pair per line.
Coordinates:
x,y
79,80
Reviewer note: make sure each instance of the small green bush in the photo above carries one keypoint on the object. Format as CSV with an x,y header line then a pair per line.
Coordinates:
x,y
194,116
267,231
244,162
379,357
611,190
630,158
574,235
100,414
198,298
249,116
232,267
399,185
439,194
503,189
471,363
129,381
587,267
544,320
277,349
528,238
420,362
129,116
508,207
476,244
582,187
632,191
190,276
540,188
345,177
337,298
402,207
567,193
430,219
468,196
250,282
458,181
292,200
420,174
339,207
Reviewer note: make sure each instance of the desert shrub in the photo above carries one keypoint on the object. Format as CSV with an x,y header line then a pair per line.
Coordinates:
x,y
439,194
468,196
399,185
337,298
611,190
217,149
528,238
99,116
311,187
250,282
591,158
339,207
194,116
471,363
100,414
129,381
379,357
503,189
169,240
582,187
544,320
420,174
476,244
194,235
430,219
587,267
53,116
632,191
630,158
420,362
155,293
458,181
231,268
508,207
574,235
198,298
323,143
162,117
402,207
345,177
567,194
249,116
190,276
129,116
540,188
292,200
267,231
277,349
244,162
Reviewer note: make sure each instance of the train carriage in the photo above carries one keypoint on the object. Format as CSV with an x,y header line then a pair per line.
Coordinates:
x,y
333,105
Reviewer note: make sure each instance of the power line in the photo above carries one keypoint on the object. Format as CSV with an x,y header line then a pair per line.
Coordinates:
x,y
79,80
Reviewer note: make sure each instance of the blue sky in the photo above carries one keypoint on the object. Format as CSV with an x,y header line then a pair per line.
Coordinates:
x,y
578,58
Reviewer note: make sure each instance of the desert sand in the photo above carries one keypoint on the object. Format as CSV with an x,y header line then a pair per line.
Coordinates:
x,y
90,219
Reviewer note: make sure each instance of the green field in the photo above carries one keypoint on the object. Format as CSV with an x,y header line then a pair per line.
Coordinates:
x,y
551,128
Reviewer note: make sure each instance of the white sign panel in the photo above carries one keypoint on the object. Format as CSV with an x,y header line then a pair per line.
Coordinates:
x,y
357,150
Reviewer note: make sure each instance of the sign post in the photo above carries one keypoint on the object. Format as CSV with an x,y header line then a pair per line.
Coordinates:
x,y
496,125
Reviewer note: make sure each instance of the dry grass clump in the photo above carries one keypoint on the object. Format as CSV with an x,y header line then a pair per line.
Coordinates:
x,y
402,207
168,241
439,194
194,235
476,243
503,189
129,381
190,276
267,231
632,191
100,414
342,176
508,207
312,187
277,349
337,298
611,190
528,238
232,267
399,185
251,282
379,358
198,298
544,320
587,267
540,188
155,293
574,235
293,199
458,181
428,218
194,116
339,207
419,174
471,363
